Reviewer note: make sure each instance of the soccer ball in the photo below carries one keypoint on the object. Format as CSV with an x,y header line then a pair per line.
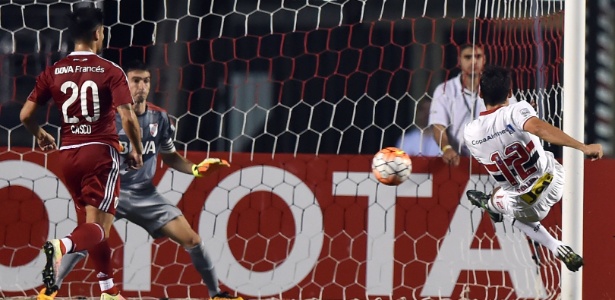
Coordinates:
x,y
391,166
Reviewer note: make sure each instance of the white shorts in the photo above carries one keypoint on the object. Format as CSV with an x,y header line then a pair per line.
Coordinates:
x,y
518,208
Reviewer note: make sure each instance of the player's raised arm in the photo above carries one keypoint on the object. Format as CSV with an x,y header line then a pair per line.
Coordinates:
x,y
43,138
131,127
554,135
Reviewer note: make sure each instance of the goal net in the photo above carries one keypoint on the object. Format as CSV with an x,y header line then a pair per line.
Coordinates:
x,y
298,95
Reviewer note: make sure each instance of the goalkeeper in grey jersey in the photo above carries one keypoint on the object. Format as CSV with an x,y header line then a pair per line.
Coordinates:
x,y
140,202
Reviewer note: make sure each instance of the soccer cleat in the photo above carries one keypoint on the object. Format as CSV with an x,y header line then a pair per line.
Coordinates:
x,y
42,295
480,199
572,260
225,296
105,296
53,253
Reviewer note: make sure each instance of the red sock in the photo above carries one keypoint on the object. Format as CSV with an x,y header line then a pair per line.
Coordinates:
x,y
86,236
101,257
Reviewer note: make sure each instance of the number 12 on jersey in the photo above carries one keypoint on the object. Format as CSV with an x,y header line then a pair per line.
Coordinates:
x,y
515,163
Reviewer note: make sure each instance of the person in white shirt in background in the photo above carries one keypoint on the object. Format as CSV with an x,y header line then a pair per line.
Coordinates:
x,y
457,102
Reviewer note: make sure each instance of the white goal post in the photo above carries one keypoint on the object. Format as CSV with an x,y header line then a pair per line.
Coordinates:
x,y
574,125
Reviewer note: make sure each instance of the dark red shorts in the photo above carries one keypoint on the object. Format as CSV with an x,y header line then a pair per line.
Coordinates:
x,y
91,174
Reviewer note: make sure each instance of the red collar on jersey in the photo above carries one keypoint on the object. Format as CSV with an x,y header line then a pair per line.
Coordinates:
x,y
484,113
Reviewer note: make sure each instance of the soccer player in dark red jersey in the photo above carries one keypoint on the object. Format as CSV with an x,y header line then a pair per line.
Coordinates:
x,y
140,201
87,90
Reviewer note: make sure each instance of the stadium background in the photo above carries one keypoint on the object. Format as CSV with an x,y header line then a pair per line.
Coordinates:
x,y
184,88
202,77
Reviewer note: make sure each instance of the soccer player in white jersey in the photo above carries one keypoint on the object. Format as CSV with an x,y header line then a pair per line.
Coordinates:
x,y
505,139
139,201
457,102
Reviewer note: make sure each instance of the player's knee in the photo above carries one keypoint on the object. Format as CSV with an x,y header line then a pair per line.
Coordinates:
x,y
192,240
106,231
195,240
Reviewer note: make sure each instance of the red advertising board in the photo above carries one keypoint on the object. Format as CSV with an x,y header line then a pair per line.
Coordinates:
x,y
309,226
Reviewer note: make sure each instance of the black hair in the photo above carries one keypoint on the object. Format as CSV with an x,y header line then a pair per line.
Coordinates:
x,y
134,65
83,22
495,83
468,45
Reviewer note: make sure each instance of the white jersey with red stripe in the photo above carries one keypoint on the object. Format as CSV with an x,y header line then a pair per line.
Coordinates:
x,y
515,158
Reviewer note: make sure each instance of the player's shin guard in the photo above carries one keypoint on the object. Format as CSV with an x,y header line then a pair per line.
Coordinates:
x,y
203,264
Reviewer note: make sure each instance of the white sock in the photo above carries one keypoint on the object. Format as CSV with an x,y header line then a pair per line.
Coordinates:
x,y
536,232
68,244
106,284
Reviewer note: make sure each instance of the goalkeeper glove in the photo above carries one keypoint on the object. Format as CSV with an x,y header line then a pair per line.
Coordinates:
x,y
208,165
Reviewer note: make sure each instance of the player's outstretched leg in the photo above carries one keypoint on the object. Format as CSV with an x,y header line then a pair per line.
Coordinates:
x,y
85,236
53,254
101,257
538,233
572,260
203,264
69,261
480,199
179,230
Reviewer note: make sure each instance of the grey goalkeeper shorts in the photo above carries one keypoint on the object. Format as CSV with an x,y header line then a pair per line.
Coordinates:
x,y
147,209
